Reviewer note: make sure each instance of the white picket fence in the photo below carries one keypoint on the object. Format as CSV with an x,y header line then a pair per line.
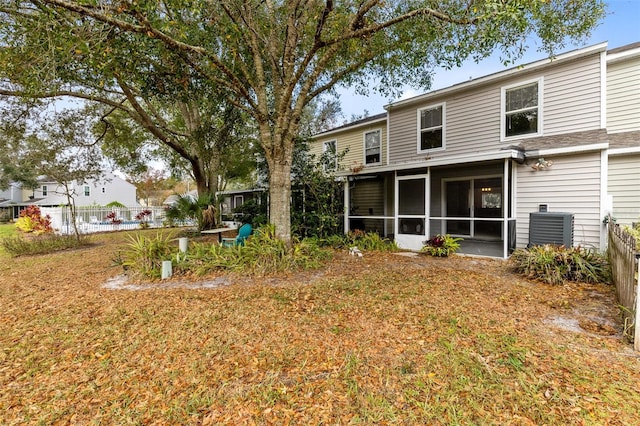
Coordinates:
x,y
95,219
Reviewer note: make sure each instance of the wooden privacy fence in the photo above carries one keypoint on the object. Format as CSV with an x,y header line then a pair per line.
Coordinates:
x,y
623,258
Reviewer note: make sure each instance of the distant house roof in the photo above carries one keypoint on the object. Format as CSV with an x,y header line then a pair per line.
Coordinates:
x,y
624,48
357,123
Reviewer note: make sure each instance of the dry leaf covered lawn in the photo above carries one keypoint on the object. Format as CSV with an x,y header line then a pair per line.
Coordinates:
x,y
383,339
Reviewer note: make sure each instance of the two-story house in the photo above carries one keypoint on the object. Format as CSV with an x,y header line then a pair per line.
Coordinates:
x,y
483,158
48,193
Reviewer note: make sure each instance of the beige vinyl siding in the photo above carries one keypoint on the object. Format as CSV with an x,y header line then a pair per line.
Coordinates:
x,y
572,97
352,140
623,95
571,103
624,186
571,185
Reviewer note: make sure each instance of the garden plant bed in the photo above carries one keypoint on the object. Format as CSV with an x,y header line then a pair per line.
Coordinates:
x,y
378,339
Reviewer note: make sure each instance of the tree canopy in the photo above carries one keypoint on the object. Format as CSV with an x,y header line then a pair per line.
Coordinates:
x,y
268,59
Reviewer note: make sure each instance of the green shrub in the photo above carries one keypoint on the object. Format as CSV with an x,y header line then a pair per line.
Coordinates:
x,y
32,221
262,253
559,264
441,245
634,232
42,244
368,241
144,255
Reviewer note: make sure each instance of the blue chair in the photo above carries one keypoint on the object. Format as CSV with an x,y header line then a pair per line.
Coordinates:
x,y
243,233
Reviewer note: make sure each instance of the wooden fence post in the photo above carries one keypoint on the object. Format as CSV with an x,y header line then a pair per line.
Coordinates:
x,y
636,334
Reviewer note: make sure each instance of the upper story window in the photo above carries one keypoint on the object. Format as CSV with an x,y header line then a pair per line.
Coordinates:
x,y
431,128
372,145
330,155
45,190
87,190
522,112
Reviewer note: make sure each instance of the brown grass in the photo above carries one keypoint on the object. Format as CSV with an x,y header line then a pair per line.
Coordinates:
x,y
383,339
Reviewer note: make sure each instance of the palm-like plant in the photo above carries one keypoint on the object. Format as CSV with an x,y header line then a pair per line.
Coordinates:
x,y
201,209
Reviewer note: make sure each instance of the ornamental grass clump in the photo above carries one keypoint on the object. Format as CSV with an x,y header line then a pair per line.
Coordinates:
x,y
559,264
441,245
48,243
262,253
367,241
144,255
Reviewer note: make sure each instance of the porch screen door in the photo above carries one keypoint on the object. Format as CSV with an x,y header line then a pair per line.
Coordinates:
x,y
412,211
458,206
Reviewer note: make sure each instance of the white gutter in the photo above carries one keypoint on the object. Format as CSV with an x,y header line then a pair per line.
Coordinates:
x,y
623,151
570,149
620,56
347,128
456,159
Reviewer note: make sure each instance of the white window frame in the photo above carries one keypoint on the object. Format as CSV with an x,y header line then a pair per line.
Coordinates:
x,y
443,107
364,146
325,144
235,201
45,190
86,190
503,109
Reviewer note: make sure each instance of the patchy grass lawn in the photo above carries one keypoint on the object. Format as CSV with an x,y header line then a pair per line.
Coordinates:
x,y
7,230
383,339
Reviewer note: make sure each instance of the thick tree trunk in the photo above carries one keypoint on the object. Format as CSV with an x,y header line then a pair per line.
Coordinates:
x,y
280,199
279,156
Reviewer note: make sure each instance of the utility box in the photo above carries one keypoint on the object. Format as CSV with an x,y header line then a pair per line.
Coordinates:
x,y
551,228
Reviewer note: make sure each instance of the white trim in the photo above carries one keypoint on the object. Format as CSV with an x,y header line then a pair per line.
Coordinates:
x,y
443,126
503,109
324,149
449,160
388,139
622,151
364,147
348,127
570,149
346,206
603,90
501,75
506,204
411,241
627,54
604,183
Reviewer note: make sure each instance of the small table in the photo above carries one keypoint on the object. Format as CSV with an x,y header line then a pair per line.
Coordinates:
x,y
218,231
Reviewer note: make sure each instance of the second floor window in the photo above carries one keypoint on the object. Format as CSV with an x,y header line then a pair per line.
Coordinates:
x,y
372,147
521,110
330,157
431,128
87,191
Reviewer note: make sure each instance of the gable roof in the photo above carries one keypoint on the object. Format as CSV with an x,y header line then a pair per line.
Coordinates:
x,y
355,124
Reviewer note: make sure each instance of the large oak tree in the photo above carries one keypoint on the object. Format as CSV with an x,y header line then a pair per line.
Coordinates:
x,y
270,58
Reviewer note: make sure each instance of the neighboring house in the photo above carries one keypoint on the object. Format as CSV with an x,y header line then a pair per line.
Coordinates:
x,y
232,201
476,159
110,188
